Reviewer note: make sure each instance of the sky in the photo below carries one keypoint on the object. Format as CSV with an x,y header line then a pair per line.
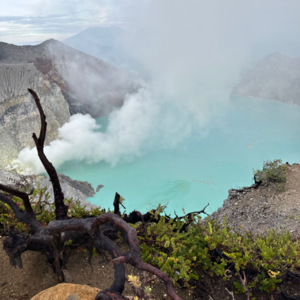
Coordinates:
x,y
25,22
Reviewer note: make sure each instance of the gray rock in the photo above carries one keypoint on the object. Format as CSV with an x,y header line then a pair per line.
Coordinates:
x,y
11,178
232,193
275,77
72,297
67,276
67,82
263,208
19,116
78,190
89,85
100,186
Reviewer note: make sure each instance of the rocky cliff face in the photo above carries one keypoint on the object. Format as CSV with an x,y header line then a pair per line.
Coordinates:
x,y
275,77
19,116
88,84
67,82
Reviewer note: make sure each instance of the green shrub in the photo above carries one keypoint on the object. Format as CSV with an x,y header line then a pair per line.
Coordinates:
x,y
273,171
280,187
181,254
45,211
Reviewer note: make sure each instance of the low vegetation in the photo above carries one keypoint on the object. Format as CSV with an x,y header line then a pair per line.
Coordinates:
x,y
273,171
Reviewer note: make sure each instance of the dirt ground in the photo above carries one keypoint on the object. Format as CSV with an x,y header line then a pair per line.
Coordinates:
x,y
23,284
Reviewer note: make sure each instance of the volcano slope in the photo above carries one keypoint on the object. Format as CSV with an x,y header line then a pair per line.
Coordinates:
x,y
263,207
68,82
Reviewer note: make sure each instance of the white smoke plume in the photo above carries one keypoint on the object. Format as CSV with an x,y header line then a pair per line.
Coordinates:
x,y
193,52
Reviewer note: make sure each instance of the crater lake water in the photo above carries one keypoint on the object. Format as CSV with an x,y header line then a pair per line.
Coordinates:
x,y
202,168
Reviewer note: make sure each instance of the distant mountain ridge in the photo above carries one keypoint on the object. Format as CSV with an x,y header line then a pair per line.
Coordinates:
x,y
67,81
106,43
275,77
75,72
104,36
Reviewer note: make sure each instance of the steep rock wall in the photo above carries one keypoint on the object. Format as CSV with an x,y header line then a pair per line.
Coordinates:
x,y
19,116
67,81
88,84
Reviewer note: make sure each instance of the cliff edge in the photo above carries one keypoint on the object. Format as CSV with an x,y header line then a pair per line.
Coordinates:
x,y
262,207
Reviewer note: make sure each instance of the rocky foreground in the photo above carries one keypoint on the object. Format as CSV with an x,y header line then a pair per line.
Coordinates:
x,y
262,207
256,208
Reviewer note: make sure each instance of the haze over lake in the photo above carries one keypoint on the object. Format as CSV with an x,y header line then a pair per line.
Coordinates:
x,y
204,166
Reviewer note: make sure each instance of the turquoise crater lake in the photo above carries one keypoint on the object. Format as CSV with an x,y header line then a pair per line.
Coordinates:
x,y
202,168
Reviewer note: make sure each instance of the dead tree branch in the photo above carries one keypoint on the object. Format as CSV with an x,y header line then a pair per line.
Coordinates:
x,y
244,282
61,209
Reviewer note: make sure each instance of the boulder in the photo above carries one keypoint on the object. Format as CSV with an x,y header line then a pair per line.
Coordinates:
x,y
64,291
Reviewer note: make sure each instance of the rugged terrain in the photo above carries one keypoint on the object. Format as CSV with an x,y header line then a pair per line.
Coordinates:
x,y
19,117
256,208
275,77
67,82
262,207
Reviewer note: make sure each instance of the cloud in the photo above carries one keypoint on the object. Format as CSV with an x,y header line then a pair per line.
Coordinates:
x,y
257,19
138,126
22,21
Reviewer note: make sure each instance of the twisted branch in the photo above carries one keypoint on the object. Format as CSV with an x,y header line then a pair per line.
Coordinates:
x,y
60,208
